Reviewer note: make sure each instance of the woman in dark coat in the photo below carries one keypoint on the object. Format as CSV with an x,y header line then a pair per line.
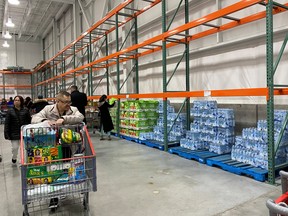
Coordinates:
x,y
106,121
28,103
15,118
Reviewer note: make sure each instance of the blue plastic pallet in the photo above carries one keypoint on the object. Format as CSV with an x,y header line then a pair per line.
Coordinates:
x,y
129,138
226,163
114,134
157,144
199,155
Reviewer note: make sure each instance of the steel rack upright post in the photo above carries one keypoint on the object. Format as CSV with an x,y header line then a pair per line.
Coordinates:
x,y
184,57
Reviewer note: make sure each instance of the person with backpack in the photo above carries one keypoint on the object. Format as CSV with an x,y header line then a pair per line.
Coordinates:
x,y
39,104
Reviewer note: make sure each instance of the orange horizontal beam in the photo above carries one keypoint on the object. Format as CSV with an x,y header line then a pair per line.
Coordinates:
x,y
11,72
100,22
97,24
263,92
232,24
113,28
212,16
224,27
130,18
215,15
15,86
211,93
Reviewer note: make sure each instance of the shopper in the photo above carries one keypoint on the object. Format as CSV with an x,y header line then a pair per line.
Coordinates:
x,y
17,116
105,118
79,100
59,114
39,104
28,103
4,107
10,103
3,102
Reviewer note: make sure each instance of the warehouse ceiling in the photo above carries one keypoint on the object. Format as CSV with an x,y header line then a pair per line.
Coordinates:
x,y
31,17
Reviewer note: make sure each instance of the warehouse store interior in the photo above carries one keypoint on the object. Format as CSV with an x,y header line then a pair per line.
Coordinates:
x,y
200,108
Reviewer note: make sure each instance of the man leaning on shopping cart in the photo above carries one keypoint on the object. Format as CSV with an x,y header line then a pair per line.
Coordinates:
x,y
59,114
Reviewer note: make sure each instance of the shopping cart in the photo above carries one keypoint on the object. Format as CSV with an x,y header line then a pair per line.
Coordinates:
x,y
56,162
93,120
279,207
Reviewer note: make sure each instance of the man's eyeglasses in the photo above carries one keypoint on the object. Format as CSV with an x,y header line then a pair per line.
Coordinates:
x,y
66,102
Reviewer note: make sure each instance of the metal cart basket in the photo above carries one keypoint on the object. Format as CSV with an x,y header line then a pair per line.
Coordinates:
x,y
56,163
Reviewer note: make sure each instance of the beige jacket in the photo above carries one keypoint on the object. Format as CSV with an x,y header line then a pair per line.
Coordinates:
x,y
50,112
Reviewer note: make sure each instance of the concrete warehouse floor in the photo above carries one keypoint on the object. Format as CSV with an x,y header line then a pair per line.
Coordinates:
x,y
137,180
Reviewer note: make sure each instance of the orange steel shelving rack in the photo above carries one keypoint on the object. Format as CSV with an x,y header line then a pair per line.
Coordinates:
x,y
4,86
96,35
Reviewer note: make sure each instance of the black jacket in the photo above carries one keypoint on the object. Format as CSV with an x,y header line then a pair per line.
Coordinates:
x,y
38,105
14,120
105,117
28,104
79,100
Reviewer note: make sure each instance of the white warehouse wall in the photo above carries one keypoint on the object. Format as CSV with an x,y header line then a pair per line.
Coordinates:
x,y
20,53
29,54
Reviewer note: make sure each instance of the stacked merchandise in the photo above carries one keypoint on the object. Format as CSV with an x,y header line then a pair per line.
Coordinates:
x,y
113,114
17,69
225,137
211,129
44,151
176,126
137,116
252,146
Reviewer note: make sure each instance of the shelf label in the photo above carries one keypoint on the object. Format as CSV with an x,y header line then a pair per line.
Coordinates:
x,y
207,93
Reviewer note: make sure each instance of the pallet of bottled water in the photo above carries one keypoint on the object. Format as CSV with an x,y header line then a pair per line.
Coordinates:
x,y
252,146
214,128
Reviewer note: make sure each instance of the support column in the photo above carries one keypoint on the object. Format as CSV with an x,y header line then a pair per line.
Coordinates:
x,y
270,85
164,66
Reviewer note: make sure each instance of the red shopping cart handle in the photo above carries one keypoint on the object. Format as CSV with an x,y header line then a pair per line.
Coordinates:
x,y
282,198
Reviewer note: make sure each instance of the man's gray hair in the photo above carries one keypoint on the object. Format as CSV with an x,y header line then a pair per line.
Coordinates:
x,y
63,93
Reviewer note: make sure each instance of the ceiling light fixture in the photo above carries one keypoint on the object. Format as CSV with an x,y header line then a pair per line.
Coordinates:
x,y
9,23
5,44
7,35
14,2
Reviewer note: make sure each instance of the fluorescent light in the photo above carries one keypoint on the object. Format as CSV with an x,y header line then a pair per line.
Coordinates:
x,y
14,2
5,44
7,35
9,23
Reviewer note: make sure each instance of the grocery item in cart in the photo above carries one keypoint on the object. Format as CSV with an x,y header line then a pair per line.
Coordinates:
x,y
78,169
40,134
68,136
44,154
